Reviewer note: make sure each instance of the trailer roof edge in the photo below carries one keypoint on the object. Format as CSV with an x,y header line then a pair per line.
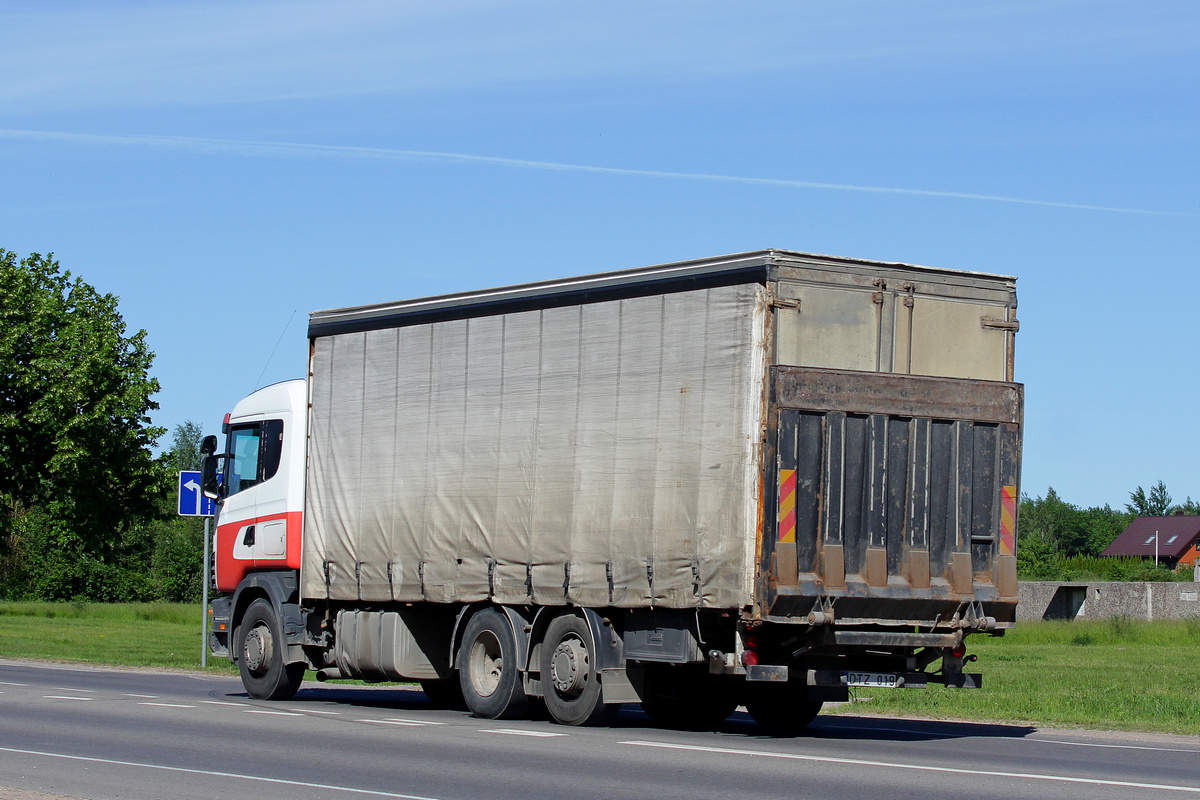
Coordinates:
x,y
753,266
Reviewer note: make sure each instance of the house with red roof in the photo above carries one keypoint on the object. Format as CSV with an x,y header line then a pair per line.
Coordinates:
x,y
1174,540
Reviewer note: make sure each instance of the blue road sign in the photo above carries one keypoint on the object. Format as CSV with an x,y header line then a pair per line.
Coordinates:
x,y
192,502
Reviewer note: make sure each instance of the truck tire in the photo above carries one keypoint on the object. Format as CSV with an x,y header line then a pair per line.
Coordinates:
x,y
781,709
570,681
260,648
488,673
688,697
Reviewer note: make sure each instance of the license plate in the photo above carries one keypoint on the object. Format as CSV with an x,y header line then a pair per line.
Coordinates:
x,y
886,679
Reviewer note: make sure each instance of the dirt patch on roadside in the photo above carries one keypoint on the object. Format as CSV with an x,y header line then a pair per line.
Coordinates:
x,y
21,794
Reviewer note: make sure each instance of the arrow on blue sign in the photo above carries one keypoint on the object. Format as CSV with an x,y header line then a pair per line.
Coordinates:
x,y
192,502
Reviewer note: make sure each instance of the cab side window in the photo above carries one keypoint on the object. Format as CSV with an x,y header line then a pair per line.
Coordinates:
x,y
256,450
272,447
245,443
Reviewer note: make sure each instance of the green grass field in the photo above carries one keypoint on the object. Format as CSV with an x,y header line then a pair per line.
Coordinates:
x,y
1114,674
127,634
1119,674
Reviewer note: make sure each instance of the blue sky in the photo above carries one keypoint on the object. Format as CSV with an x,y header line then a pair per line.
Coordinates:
x,y
225,168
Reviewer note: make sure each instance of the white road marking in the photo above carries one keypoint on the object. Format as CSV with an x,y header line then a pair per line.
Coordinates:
x,y
918,767
10,683
72,689
222,703
151,696
393,722
215,774
516,732
314,711
164,705
414,721
1120,746
65,697
277,713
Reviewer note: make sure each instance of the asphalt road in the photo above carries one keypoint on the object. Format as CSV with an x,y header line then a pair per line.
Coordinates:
x,y
104,733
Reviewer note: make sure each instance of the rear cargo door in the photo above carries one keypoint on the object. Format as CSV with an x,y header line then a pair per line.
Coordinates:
x,y
891,487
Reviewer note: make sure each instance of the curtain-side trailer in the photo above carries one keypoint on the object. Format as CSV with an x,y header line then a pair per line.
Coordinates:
x,y
755,479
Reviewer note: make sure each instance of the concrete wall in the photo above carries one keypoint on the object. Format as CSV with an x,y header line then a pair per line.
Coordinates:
x,y
1106,599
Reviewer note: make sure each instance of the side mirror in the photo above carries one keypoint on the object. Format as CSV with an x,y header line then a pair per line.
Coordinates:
x,y
208,445
210,477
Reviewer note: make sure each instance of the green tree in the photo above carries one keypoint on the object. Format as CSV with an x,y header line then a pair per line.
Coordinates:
x,y
1053,522
185,447
1156,503
1188,507
75,433
1104,524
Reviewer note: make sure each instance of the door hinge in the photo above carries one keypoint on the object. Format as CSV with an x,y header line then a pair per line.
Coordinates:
x,y
1000,324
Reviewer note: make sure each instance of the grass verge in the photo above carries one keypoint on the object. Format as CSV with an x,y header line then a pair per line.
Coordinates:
x,y
127,634
1111,674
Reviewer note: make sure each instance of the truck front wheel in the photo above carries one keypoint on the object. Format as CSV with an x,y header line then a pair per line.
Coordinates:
x,y
489,674
260,646
570,679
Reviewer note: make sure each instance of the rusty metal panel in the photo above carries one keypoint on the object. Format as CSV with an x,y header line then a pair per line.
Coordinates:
x,y
896,496
899,395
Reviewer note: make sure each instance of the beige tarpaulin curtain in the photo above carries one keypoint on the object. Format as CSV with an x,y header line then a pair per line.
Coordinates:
x,y
600,454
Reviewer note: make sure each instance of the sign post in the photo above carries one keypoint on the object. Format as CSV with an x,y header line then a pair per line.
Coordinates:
x,y
193,503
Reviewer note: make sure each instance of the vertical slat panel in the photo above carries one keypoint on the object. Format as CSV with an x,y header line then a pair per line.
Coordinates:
x,y
854,492
964,477
834,459
918,514
784,498
876,501
985,492
898,453
810,435
942,509
1009,474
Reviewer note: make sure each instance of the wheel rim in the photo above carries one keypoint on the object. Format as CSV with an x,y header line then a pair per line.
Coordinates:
x,y
258,648
569,667
486,663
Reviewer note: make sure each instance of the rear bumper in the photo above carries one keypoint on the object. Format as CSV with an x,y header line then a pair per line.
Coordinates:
x,y
839,679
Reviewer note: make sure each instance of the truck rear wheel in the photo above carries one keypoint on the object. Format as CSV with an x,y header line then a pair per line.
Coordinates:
x,y
687,697
570,679
260,648
782,709
489,674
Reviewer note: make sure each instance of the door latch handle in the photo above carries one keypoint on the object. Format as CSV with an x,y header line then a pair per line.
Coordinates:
x,y
248,538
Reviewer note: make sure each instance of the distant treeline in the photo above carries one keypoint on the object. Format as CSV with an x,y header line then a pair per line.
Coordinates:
x,y
1060,541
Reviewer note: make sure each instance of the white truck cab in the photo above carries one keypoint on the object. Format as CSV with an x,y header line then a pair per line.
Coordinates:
x,y
262,512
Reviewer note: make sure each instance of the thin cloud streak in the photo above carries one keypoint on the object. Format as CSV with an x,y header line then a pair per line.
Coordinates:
x,y
301,150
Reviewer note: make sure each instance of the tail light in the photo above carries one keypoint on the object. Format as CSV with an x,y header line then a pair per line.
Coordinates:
x,y
750,654
959,650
